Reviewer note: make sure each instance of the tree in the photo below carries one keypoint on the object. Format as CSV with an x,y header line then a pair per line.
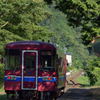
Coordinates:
x,y
84,14
65,37
91,70
19,20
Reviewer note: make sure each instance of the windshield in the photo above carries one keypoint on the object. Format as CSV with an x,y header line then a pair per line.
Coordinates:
x,y
47,60
12,59
29,60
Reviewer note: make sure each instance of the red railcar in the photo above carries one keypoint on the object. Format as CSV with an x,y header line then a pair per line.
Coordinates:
x,y
32,71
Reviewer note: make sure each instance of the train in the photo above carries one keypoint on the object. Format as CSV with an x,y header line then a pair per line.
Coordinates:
x,y
33,71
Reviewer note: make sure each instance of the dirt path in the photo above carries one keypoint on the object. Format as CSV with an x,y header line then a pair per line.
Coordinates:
x,y
71,79
79,94
73,90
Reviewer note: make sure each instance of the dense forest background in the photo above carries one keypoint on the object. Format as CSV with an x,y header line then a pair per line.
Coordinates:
x,y
70,24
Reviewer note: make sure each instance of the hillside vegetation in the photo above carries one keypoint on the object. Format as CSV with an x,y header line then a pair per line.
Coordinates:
x,y
71,25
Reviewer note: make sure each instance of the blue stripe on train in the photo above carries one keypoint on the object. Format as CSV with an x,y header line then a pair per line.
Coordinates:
x,y
30,79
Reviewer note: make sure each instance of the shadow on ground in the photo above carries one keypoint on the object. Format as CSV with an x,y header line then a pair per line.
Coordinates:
x,y
95,92
75,94
81,94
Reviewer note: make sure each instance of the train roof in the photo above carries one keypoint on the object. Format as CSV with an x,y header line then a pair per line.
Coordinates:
x,y
30,45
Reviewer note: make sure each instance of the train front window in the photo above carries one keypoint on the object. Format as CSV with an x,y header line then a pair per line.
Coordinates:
x,y
47,59
30,60
12,59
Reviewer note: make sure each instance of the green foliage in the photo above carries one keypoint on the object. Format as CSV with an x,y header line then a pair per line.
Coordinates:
x,y
90,69
84,13
1,72
84,16
48,1
83,80
19,20
66,38
97,74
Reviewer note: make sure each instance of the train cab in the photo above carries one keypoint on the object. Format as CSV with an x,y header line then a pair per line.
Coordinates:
x,y
31,67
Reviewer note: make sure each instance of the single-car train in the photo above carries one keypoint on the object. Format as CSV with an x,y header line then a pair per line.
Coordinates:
x,y
33,71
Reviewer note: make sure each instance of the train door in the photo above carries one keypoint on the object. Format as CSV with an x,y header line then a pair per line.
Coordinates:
x,y
29,69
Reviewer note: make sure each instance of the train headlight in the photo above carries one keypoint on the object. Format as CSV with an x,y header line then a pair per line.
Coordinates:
x,y
11,77
47,78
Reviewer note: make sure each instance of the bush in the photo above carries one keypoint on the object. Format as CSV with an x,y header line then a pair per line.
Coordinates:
x,y
83,80
97,74
1,71
92,70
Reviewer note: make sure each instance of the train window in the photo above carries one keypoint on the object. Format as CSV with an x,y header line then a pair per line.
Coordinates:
x,y
12,60
29,61
47,59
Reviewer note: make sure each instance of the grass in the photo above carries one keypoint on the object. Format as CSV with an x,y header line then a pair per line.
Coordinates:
x,y
1,86
97,83
83,80
2,89
3,97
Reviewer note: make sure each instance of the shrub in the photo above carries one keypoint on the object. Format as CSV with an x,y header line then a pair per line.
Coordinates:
x,y
1,71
